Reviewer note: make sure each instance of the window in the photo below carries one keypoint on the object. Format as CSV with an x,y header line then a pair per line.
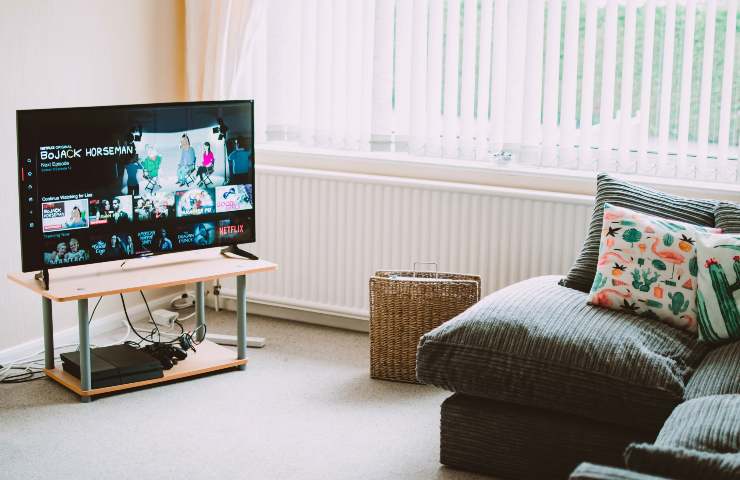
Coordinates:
x,y
647,87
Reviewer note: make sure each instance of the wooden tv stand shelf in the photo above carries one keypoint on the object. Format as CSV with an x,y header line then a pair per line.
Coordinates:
x,y
86,281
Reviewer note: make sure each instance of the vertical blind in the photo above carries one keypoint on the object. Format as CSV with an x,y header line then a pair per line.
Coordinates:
x,y
649,87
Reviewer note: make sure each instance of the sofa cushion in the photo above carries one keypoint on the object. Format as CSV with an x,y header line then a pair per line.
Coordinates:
x,y
718,373
591,471
642,199
701,439
727,217
539,344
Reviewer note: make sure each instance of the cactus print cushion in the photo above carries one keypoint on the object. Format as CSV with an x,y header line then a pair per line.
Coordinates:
x,y
718,296
648,266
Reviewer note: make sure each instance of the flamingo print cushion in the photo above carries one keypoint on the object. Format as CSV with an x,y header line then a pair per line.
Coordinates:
x,y
648,266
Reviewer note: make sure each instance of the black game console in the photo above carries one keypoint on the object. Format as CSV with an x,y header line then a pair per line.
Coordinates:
x,y
115,365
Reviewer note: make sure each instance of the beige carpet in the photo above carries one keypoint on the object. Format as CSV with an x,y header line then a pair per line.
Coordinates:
x,y
304,409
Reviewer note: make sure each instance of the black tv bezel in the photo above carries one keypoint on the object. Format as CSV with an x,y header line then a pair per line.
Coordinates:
x,y
29,266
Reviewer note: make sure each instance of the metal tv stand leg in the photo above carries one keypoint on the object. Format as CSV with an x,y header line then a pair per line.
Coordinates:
x,y
200,311
241,319
85,374
48,334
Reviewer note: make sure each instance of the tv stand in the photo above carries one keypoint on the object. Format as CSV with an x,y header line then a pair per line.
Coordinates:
x,y
43,277
235,250
82,282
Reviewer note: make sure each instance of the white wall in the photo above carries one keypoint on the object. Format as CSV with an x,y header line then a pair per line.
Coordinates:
x,y
75,53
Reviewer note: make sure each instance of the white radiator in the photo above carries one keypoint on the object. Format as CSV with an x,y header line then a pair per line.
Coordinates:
x,y
330,231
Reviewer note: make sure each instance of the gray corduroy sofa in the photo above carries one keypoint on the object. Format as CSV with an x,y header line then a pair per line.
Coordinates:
x,y
544,382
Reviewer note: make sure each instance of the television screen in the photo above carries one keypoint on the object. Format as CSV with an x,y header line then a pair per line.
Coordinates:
x,y
110,183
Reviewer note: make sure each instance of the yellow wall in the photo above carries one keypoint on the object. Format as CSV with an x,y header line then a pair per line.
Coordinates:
x,y
75,53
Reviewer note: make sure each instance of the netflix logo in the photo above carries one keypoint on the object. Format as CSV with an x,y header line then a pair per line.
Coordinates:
x,y
232,231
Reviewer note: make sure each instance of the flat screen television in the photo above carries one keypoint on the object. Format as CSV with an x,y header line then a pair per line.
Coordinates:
x,y
109,183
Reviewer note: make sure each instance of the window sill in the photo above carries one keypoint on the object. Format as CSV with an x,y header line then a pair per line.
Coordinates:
x,y
467,172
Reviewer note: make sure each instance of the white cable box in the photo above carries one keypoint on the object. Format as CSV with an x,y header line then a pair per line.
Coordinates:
x,y
164,318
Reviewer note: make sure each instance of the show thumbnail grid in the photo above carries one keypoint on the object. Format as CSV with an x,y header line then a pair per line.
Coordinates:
x,y
124,226
66,248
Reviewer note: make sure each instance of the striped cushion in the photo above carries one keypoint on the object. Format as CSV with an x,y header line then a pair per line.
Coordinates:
x,y
701,439
590,471
511,441
536,343
727,217
718,373
642,199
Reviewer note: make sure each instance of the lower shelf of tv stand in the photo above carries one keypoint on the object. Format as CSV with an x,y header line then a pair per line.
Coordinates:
x,y
210,357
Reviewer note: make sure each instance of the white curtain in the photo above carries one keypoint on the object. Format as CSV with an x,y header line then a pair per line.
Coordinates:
x,y
633,86
320,69
643,87
220,42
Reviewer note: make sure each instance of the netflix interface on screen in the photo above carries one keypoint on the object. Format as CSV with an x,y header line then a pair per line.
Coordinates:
x,y
110,183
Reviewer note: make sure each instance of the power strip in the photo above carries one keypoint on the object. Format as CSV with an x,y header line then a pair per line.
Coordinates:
x,y
252,342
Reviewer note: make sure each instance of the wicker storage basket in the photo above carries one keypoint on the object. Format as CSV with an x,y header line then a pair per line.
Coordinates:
x,y
405,305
